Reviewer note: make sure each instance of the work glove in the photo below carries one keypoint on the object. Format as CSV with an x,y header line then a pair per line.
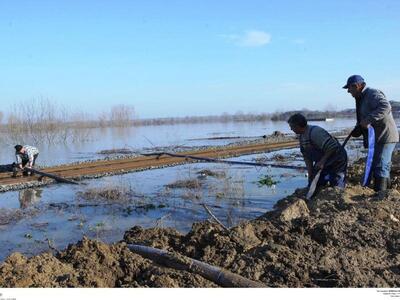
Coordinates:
x,y
357,131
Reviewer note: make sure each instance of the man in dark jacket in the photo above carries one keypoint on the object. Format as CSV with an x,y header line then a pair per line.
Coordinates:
x,y
321,151
374,109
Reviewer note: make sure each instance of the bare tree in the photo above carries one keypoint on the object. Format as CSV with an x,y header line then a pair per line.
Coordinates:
x,y
38,121
122,115
103,119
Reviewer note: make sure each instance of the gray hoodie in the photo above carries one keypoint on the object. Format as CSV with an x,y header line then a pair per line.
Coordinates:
x,y
373,107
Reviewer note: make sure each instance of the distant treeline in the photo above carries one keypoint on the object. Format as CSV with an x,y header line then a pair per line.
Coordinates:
x,y
315,114
42,120
225,118
309,114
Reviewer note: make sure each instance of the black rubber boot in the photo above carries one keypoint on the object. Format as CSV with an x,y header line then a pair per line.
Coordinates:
x,y
15,172
381,184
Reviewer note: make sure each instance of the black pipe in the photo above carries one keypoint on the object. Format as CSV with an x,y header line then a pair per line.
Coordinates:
x,y
207,159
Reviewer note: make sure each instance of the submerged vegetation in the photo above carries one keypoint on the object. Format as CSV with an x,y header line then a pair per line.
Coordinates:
x,y
109,194
188,183
266,180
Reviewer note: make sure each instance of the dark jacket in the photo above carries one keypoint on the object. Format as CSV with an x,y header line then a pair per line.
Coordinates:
x,y
316,141
373,107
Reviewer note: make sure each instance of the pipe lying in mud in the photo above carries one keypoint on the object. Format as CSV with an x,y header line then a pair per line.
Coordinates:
x,y
52,176
231,162
217,275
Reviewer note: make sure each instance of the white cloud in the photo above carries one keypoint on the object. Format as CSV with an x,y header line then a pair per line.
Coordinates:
x,y
251,38
255,38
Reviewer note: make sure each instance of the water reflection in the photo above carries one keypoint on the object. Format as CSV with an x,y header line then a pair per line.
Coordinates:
x,y
29,197
90,141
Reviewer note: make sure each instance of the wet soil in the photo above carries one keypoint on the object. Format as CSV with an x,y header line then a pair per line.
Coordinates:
x,y
340,238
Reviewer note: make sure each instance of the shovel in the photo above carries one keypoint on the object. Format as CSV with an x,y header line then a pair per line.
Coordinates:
x,y
313,185
370,155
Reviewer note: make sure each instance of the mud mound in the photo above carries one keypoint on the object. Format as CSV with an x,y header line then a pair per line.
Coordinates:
x,y
93,264
338,239
161,238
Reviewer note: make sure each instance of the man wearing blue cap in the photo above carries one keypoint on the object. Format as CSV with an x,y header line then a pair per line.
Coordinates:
x,y
372,108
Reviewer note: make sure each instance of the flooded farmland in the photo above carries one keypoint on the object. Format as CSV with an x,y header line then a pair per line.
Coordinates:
x,y
35,220
137,139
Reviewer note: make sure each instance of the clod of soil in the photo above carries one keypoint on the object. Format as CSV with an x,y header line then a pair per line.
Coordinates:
x,y
93,264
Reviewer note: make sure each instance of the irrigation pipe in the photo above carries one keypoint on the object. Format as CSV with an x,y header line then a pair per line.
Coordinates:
x,y
231,162
52,176
180,262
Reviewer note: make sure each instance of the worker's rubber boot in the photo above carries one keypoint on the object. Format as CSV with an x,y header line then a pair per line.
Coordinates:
x,y
14,171
381,184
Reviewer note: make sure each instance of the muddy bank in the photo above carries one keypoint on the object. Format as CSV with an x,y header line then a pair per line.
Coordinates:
x,y
340,238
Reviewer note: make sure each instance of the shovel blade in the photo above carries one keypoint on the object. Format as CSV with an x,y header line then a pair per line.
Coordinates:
x,y
313,185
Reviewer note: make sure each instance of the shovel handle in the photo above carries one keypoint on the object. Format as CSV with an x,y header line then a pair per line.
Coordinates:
x,y
348,137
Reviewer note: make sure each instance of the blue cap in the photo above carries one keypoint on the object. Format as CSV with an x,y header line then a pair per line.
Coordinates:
x,y
354,79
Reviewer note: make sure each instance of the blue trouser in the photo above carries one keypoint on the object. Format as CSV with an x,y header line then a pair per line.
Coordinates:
x,y
334,178
382,161
335,171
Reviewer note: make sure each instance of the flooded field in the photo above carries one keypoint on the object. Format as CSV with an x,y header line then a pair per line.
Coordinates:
x,y
35,220
105,208
139,138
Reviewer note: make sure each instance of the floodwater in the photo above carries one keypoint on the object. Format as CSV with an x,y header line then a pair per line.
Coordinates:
x,y
33,220
138,138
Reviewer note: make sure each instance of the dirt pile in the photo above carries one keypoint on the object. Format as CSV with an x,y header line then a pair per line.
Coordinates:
x,y
341,238
92,264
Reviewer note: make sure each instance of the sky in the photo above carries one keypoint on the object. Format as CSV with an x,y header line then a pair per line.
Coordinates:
x,y
178,58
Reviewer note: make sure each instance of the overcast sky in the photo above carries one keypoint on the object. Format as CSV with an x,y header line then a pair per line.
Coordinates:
x,y
177,58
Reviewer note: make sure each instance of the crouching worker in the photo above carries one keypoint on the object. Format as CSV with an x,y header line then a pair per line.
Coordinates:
x,y
321,151
26,157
